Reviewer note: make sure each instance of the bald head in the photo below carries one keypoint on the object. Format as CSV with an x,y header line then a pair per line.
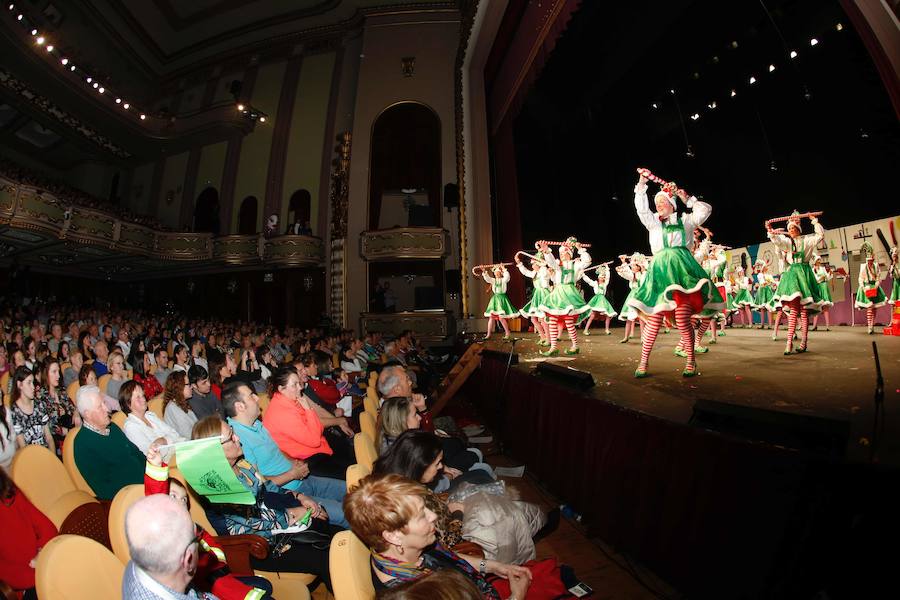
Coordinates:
x,y
159,531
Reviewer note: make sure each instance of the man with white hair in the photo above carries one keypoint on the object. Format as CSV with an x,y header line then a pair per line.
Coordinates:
x,y
395,381
163,543
103,455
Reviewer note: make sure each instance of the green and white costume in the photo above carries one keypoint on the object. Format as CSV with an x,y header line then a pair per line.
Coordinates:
x,y
673,268
565,299
629,313
499,305
823,278
541,281
870,278
895,286
743,296
714,265
599,303
765,292
799,281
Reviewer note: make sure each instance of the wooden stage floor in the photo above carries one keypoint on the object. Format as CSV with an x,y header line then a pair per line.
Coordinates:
x,y
835,378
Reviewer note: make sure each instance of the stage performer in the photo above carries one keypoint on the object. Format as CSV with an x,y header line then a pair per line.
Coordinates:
x,y
540,279
797,289
633,270
499,307
599,304
765,289
870,295
779,309
564,304
895,277
711,257
743,299
674,282
823,278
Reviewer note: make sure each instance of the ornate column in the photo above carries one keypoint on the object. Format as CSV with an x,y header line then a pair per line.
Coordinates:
x,y
340,201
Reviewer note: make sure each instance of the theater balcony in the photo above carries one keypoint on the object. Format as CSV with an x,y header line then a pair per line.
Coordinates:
x,y
430,325
39,229
400,243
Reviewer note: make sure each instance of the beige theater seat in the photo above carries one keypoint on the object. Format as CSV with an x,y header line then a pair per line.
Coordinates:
x,y
351,575
367,424
355,473
72,567
69,462
366,455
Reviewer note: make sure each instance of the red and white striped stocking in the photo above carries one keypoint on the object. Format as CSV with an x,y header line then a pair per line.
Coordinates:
x,y
701,330
870,316
683,322
554,331
804,327
570,327
792,322
649,331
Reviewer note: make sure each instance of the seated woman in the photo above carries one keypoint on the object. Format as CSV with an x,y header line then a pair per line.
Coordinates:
x,y
141,364
213,574
87,376
389,514
76,361
143,427
30,417
61,409
293,423
117,374
274,509
25,531
399,414
177,410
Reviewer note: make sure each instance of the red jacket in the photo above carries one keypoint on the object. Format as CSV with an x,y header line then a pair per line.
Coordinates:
x,y
25,531
151,387
325,389
211,556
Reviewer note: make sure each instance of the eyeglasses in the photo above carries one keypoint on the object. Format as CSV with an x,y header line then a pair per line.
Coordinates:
x,y
195,540
224,440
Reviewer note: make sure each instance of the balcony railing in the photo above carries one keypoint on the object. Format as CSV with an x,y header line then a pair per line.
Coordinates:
x,y
429,325
404,243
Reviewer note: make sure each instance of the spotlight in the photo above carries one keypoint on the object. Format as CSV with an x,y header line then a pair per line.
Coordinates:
x,y
654,106
734,44
20,17
839,26
40,40
689,153
262,119
793,54
715,60
695,116
72,68
50,48
771,68
143,117
752,80
102,90
672,92
813,42
64,61
126,106
12,6
733,93
118,101
34,32
89,79
712,105
240,107
96,85
773,166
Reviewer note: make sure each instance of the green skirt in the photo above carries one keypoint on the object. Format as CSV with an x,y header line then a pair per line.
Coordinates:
x,y
599,304
628,313
531,307
862,301
743,298
895,292
763,297
564,300
799,281
500,306
674,270
825,294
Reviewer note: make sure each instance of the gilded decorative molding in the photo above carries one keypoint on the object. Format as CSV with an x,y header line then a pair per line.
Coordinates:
x,y
293,250
340,187
404,242
236,249
184,246
430,326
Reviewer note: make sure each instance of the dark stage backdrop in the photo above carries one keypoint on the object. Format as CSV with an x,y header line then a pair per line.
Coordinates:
x,y
588,121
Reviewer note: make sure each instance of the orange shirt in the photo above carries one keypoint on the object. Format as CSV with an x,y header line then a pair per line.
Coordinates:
x,y
296,430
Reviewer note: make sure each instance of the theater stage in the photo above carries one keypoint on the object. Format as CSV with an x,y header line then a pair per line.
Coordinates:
x,y
834,379
716,514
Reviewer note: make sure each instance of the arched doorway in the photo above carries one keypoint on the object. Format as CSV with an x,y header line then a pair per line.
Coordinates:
x,y
247,216
406,155
206,211
299,210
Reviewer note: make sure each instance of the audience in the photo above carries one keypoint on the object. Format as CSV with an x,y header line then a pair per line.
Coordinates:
x,y
275,509
141,364
7,436
25,531
446,584
242,407
177,411
104,456
101,355
87,376
53,396
31,419
117,372
203,402
143,427
161,358
76,361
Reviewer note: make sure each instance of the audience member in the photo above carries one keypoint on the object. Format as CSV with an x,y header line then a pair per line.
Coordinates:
x,y
141,364
203,402
143,427
104,456
242,407
177,410
101,355
181,358
76,361
161,358
25,531
7,436
52,394
87,376
31,419
117,374
446,584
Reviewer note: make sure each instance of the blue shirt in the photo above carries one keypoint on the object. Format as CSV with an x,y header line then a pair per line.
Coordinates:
x,y
99,368
261,450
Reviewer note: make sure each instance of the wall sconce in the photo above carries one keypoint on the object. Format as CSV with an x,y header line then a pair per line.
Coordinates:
x,y
408,65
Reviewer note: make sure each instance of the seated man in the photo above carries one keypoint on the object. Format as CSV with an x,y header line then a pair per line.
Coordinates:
x,y
161,357
242,407
103,455
163,543
101,351
203,402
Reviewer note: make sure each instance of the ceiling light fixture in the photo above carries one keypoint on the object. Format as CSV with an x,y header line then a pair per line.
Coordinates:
x,y
752,80
262,119
654,106
64,61
126,106
12,6
240,107
89,79
96,85
40,40
771,68
143,117
712,105
72,68
793,54
34,32
813,42
20,17
839,26
118,101
102,90
50,48
733,93
695,116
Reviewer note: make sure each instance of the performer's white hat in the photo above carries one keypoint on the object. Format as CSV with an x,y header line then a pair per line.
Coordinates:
x,y
667,191
638,258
